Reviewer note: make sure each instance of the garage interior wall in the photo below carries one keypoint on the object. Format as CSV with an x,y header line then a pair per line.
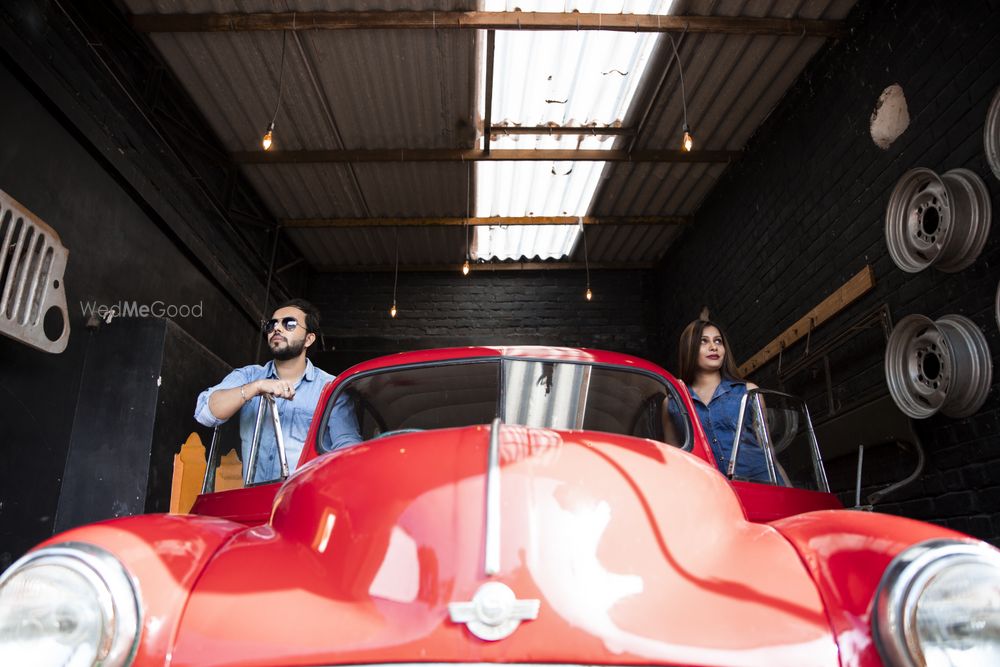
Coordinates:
x,y
486,308
118,252
805,211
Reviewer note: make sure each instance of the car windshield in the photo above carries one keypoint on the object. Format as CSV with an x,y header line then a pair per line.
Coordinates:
x,y
549,394
776,444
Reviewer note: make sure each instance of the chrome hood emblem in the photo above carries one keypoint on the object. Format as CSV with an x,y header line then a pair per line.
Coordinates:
x,y
494,612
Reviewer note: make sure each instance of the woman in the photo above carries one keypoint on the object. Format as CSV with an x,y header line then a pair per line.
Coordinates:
x,y
717,389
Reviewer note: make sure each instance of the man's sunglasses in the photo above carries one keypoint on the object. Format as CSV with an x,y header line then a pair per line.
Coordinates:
x,y
287,323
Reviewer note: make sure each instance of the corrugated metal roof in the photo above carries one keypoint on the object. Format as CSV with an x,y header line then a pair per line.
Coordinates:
x,y
418,89
356,247
732,84
563,79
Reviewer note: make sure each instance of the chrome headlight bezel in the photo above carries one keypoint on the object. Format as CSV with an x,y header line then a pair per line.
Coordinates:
x,y
116,594
894,613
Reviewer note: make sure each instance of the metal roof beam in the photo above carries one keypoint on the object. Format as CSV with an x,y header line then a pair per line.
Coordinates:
x,y
475,154
480,267
491,47
562,129
433,20
624,221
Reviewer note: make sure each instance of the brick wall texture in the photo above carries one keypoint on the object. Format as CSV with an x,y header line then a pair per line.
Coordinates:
x,y
485,308
804,211
788,224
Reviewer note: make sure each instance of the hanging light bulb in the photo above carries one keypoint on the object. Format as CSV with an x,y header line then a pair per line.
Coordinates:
x,y
268,137
688,142
392,311
590,295
466,268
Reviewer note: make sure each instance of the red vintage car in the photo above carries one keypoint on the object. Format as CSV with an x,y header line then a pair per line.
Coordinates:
x,y
514,505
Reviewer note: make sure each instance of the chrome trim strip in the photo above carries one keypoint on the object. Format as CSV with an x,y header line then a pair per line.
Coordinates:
x,y
817,455
764,436
248,479
492,559
731,468
208,483
282,458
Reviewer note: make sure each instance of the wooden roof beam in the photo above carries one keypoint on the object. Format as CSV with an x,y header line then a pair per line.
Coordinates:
x,y
636,220
562,129
481,267
473,20
491,47
475,154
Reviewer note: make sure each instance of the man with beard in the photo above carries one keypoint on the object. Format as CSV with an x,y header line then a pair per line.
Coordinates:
x,y
295,384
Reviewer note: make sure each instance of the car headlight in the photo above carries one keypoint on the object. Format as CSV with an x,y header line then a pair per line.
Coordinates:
x,y
939,604
71,604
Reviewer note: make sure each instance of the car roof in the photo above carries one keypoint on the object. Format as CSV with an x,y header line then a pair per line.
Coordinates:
x,y
539,352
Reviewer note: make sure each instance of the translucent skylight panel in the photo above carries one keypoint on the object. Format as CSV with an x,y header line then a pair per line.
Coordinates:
x,y
567,78
554,78
510,242
538,188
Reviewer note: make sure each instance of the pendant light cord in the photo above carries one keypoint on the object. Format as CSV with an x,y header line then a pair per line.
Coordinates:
x,y
680,70
281,72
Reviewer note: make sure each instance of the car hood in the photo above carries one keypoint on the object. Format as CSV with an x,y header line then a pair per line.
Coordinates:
x,y
635,552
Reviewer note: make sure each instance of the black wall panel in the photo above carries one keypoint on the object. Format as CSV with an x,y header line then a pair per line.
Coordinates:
x,y
137,394
485,308
118,253
804,211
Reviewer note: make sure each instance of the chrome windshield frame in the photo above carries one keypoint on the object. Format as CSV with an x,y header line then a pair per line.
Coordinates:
x,y
676,393
819,471
491,565
248,479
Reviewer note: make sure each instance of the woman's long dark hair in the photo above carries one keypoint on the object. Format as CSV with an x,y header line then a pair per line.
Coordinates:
x,y
689,346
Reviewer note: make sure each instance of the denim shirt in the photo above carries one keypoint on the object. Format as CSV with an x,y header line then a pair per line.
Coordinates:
x,y
719,419
295,415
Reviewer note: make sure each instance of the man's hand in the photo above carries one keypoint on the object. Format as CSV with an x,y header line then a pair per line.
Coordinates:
x,y
224,403
276,388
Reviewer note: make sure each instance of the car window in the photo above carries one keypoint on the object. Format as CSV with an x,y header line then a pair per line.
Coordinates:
x,y
595,398
547,394
425,397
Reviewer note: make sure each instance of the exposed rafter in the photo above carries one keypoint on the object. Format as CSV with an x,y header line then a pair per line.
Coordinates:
x,y
432,20
561,129
479,267
475,154
491,49
647,220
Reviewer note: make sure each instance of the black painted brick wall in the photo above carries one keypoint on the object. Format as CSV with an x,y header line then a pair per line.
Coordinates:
x,y
486,308
118,251
804,211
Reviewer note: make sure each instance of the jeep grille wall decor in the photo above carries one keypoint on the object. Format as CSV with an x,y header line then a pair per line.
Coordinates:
x,y
32,295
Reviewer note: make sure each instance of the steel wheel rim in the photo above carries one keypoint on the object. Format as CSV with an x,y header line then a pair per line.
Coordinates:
x,y
991,135
918,220
970,220
938,366
972,366
917,366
